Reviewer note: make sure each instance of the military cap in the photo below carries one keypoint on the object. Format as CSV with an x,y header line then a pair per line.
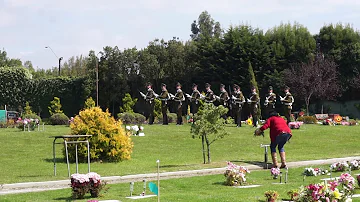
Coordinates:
x,y
286,88
194,85
222,86
270,88
148,84
253,87
236,86
163,85
207,85
178,84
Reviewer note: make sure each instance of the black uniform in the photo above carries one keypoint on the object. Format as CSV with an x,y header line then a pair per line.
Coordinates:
x,y
164,97
210,97
238,102
224,99
269,103
254,102
149,98
287,101
194,100
179,99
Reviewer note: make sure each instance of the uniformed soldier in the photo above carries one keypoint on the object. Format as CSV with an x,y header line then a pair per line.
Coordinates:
x,y
238,102
209,96
164,97
179,98
149,98
223,98
270,100
287,102
253,101
194,99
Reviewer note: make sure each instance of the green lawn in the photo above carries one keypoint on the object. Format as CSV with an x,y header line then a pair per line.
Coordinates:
x,y
27,156
205,188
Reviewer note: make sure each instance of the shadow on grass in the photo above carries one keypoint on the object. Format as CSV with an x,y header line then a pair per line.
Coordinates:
x,y
68,199
257,163
58,160
219,183
177,166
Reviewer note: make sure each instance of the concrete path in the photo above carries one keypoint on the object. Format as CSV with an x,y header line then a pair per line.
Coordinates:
x,y
61,184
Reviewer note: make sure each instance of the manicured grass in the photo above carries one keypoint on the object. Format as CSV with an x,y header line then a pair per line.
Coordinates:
x,y
27,156
205,188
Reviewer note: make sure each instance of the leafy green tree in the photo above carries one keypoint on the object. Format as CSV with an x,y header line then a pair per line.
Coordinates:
x,y
128,104
341,43
209,127
27,109
55,106
15,86
89,103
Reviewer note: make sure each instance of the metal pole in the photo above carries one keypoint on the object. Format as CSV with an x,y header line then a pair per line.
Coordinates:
x,y
158,178
97,83
67,157
76,158
88,147
54,158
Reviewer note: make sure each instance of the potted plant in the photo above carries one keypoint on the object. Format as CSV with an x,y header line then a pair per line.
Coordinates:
x,y
79,185
95,184
271,196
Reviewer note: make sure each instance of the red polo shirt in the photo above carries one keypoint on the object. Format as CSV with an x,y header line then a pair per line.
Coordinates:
x,y
277,126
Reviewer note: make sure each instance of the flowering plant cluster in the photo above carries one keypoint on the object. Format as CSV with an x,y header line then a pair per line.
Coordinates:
x,y
315,171
31,123
275,172
235,175
85,183
340,166
271,195
295,124
354,164
334,191
135,130
71,120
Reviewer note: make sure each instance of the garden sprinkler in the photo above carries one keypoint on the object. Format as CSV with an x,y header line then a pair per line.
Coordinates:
x,y
131,188
280,177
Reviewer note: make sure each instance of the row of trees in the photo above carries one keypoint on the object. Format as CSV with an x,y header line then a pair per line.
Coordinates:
x,y
240,54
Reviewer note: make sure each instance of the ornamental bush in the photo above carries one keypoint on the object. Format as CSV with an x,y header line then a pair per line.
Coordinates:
x,y
59,119
109,142
307,119
131,118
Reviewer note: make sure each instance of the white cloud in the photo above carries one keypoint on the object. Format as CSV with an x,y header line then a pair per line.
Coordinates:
x,y
6,18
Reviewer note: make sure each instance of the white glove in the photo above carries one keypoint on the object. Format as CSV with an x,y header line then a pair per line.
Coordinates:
x,y
156,95
172,96
248,100
217,97
143,95
188,96
233,97
202,96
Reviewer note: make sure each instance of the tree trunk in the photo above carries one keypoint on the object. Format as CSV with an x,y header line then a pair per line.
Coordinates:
x,y
208,150
203,148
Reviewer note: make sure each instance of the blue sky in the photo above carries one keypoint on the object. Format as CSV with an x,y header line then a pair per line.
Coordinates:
x,y
73,27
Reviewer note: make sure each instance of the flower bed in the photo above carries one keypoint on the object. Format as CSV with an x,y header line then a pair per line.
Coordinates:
x,y
235,175
340,166
334,191
82,184
135,130
314,171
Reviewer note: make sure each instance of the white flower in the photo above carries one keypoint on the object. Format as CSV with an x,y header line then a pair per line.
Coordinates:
x,y
127,127
141,128
135,128
94,176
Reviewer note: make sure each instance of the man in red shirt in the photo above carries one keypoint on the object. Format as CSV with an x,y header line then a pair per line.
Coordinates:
x,y
280,133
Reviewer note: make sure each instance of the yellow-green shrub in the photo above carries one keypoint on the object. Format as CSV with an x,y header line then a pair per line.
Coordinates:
x,y
109,142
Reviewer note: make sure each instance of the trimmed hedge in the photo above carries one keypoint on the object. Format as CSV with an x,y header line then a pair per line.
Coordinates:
x,y
59,119
131,118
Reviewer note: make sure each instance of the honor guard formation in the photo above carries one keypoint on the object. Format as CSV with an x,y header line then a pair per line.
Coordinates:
x,y
234,101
